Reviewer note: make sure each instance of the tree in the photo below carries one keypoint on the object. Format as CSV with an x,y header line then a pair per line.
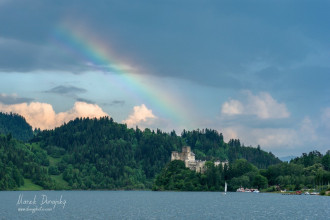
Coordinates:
x,y
260,182
242,166
326,162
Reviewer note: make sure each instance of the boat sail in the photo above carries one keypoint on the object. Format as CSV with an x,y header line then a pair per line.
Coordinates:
x,y
225,187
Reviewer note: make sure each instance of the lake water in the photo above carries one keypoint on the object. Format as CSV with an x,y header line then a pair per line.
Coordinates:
x,y
159,205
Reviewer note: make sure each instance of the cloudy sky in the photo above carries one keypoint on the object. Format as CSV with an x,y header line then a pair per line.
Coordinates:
x,y
254,70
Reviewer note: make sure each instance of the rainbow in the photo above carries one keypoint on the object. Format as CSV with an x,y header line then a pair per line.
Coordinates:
x,y
125,78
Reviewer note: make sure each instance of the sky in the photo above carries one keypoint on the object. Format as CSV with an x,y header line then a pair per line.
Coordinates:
x,y
254,70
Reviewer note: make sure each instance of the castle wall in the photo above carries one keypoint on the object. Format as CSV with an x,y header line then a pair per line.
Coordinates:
x,y
188,157
217,163
175,156
200,166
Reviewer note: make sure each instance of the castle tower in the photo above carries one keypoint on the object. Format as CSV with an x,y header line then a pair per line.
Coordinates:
x,y
175,156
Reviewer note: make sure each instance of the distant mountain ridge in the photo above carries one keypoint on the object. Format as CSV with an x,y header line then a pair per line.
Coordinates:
x,y
15,125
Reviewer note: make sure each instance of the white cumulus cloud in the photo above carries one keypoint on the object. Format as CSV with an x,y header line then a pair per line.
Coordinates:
x,y
141,114
263,105
232,107
43,116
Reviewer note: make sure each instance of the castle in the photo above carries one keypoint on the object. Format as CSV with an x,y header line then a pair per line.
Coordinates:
x,y
188,157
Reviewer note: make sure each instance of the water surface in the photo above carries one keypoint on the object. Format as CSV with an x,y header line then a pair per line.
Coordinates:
x,y
160,205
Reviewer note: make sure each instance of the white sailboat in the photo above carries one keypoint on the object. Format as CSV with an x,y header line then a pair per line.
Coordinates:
x,y
225,188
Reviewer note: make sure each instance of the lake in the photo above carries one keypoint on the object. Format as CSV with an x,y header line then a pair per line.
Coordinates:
x,y
159,205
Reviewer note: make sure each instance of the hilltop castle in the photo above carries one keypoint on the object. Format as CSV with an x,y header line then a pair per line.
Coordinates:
x,y
188,157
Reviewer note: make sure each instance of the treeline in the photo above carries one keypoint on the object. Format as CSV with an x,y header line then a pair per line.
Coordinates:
x,y
175,176
15,125
309,171
103,154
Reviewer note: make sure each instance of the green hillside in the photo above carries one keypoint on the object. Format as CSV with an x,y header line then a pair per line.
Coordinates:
x,y
103,154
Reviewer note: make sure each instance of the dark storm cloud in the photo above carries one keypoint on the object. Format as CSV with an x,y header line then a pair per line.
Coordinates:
x,y
206,42
64,90
19,56
13,99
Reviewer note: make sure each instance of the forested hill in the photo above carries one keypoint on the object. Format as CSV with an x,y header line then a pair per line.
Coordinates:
x,y
100,153
15,125
103,154
148,145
